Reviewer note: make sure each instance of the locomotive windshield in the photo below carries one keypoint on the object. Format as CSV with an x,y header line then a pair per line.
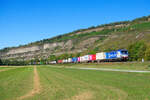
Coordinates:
x,y
124,52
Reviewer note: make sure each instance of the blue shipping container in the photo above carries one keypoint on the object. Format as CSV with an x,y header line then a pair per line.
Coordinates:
x,y
74,59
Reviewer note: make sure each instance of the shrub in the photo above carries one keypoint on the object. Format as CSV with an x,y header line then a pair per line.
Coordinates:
x,y
147,53
148,66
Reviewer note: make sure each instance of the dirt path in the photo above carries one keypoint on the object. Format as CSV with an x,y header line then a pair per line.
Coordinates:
x,y
2,70
36,86
82,96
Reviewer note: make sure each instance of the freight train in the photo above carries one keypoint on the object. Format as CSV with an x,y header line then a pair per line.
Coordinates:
x,y
117,55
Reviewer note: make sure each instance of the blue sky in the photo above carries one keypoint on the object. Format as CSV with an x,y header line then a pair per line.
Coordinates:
x,y
25,21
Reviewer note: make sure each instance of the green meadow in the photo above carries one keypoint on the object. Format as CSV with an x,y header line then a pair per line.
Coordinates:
x,y
56,82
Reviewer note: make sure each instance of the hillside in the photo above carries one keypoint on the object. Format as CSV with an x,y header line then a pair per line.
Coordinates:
x,y
129,35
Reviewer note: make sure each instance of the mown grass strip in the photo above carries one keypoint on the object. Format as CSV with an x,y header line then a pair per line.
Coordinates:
x,y
15,82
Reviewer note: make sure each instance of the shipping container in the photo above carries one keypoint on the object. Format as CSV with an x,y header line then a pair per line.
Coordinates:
x,y
86,58
59,61
101,56
82,59
65,61
74,59
53,62
92,57
69,60
78,59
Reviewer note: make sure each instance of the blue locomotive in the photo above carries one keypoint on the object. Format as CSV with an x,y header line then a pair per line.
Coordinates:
x,y
119,55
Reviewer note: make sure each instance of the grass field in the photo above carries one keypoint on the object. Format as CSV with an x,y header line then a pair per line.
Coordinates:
x,y
111,65
53,83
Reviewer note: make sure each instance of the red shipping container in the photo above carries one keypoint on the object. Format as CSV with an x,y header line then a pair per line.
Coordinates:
x,y
59,61
92,57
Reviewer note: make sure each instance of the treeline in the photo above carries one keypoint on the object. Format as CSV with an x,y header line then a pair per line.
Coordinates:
x,y
13,62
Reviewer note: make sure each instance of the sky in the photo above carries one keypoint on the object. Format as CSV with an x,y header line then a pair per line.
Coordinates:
x,y
26,21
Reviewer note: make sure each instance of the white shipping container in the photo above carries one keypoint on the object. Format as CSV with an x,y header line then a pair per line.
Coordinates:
x,y
81,58
85,58
66,60
53,62
100,56
63,60
69,60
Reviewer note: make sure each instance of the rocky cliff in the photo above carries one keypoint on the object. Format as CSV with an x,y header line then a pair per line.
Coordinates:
x,y
46,49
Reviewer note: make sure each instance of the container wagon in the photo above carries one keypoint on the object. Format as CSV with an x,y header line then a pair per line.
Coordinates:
x,y
92,58
74,59
101,56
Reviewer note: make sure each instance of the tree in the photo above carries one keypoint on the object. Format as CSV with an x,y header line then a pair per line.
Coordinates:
x,y
64,56
42,61
147,53
137,51
1,63
78,54
52,57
